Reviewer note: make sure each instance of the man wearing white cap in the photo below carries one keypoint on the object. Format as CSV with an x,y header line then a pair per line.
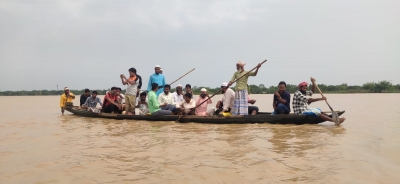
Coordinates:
x,y
157,78
202,109
241,104
66,97
160,70
226,103
178,94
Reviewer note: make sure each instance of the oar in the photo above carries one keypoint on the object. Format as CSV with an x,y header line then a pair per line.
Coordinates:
x,y
218,92
335,116
182,76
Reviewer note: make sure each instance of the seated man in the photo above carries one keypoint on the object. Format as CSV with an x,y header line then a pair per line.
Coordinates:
x,y
91,102
187,105
111,103
253,110
166,99
201,110
188,89
84,96
226,103
281,101
154,107
178,94
300,101
142,107
121,99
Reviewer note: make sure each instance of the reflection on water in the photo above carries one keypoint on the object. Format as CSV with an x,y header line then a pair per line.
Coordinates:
x,y
42,146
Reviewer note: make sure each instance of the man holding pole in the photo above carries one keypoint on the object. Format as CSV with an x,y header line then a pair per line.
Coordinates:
x,y
240,103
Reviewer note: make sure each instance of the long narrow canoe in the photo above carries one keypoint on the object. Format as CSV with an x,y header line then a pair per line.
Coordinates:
x,y
262,117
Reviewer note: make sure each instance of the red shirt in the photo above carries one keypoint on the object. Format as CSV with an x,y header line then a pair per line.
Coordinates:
x,y
112,97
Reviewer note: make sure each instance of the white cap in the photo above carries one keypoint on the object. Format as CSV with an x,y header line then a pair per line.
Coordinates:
x,y
157,66
224,84
241,63
161,69
179,85
203,89
66,88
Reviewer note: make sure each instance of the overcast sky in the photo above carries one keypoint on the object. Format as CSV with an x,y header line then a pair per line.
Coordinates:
x,y
89,43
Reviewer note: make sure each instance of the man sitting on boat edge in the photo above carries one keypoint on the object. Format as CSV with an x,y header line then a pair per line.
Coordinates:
x,y
281,101
154,107
91,102
300,101
166,99
66,97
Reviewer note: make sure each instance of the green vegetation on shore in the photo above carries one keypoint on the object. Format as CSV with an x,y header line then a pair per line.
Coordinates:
x,y
369,87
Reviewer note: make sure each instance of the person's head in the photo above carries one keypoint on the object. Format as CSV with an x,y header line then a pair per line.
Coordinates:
x,y
240,65
66,90
187,97
94,94
160,70
143,96
167,87
157,69
154,86
224,87
132,72
282,86
87,92
113,90
303,87
203,92
119,90
179,89
188,88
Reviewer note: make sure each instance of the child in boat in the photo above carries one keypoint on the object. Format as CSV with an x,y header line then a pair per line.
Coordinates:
x,y
142,108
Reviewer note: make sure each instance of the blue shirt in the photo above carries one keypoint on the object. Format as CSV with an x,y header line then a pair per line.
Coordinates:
x,y
159,79
286,96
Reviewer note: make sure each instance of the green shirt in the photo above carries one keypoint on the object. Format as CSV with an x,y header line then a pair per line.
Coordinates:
x,y
242,83
153,102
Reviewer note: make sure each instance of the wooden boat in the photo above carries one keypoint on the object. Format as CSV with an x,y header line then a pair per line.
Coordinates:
x,y
262,117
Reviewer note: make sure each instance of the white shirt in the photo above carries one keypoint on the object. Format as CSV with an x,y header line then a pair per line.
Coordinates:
x,y
162,98
138,99
177,98
228,99
122,96
187,106
131,89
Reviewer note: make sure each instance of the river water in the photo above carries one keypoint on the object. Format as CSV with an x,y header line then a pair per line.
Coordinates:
x,y
38,145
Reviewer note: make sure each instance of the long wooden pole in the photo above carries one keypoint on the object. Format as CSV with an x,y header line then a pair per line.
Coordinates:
x,y
181,76
219,91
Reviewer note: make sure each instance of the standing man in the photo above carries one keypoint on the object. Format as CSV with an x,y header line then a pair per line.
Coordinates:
x,y
66,97
131,90
300,101
241,104
157,78
154,106
84,96
281,101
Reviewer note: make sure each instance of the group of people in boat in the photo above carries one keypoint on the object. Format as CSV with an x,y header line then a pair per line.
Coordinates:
x,y
159,101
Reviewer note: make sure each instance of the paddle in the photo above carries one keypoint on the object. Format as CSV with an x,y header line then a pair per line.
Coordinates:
x,y
335,116
218,92
181,76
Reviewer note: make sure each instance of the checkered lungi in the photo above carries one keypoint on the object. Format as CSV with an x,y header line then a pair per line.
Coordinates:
x,y
240,105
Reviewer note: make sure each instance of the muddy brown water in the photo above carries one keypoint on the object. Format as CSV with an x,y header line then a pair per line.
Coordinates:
x,y
38,145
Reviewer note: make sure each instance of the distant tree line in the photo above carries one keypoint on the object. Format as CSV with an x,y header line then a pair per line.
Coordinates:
x,y
369,87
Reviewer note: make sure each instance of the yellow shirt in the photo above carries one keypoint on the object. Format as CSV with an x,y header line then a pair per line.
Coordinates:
x,y
63,99
242,83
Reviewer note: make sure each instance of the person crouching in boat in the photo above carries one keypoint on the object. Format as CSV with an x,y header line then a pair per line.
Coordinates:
x,y
241,104
142,107
300,101
91,103
281,101
66,97
154,106
111,103
202,109
226,103
187,105
166,99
